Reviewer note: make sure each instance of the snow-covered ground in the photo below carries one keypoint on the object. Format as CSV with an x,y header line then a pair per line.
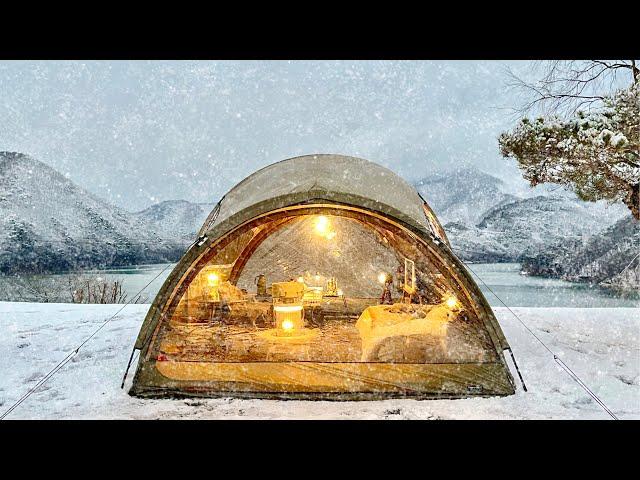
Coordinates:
x,y
600,345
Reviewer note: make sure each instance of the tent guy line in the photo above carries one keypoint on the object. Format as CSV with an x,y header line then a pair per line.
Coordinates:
x,y
64,361
556,358
413,230
74,352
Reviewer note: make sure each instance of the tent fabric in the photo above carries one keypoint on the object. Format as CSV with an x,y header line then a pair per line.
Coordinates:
x,y
320,181
334,178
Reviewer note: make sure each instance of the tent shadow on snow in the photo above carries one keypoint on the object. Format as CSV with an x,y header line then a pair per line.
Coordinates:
x,y
280,296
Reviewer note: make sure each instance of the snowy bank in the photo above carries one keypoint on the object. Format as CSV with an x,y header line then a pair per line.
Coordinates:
x,y
600,344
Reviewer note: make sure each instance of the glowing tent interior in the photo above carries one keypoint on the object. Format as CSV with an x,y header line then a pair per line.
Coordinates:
x,y
321,276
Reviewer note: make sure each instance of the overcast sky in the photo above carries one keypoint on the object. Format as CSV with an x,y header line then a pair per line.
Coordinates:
x,y
137,133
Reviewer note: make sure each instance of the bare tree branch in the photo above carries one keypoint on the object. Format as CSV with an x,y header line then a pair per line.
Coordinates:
x,y
569,85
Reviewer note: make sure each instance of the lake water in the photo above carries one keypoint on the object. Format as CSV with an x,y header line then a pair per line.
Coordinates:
x,y
503,279
517,290
138,279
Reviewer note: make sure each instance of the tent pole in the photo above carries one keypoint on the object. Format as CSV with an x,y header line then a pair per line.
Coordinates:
x,y
524,387
128,366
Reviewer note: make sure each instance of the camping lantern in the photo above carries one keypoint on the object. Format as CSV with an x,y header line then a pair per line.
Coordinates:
x,y
211,280
322,225
288,318
332,288
287,307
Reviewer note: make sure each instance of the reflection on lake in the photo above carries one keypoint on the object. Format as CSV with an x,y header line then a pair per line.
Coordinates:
x,y
135,279
502,278
525,291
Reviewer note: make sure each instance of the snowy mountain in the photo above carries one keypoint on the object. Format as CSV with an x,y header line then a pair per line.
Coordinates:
x,y
463,195
610,257
49,224
486,222
505,232
176,219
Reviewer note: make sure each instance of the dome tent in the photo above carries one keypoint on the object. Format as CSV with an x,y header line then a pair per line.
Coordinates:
x,y
315,220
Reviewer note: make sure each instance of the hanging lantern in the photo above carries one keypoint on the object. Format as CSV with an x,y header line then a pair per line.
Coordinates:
x,y
213,280
321,225
451,301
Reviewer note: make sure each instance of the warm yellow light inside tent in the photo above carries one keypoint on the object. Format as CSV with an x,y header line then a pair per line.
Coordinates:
x,y
322,225
287,325
288,318
451,301
287,308
213,280
271,336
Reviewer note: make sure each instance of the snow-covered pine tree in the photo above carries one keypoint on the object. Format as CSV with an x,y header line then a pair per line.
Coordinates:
x,y
595,153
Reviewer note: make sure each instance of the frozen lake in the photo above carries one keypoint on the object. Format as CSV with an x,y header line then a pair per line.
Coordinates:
x,y
502,278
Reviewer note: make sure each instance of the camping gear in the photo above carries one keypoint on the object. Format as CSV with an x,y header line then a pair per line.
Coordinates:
x,y
288,313
331,289
312,296
261,284
379,323
386,279
428,351
287,307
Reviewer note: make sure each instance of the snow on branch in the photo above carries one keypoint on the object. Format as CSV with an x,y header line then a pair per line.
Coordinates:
x,y
596,154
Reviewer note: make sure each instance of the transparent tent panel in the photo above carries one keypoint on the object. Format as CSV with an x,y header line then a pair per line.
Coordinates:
x,y
323,287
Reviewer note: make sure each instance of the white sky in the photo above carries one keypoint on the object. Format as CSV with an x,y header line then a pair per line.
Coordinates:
x,y
138,132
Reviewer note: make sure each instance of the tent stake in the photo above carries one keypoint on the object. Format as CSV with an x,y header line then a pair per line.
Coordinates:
x,y
524,387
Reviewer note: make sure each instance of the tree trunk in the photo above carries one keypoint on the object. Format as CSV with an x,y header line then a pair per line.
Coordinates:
x,y
633,200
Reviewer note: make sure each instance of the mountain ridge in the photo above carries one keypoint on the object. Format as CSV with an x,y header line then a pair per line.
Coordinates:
x,y
451,193
609,257
179,218
50,224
